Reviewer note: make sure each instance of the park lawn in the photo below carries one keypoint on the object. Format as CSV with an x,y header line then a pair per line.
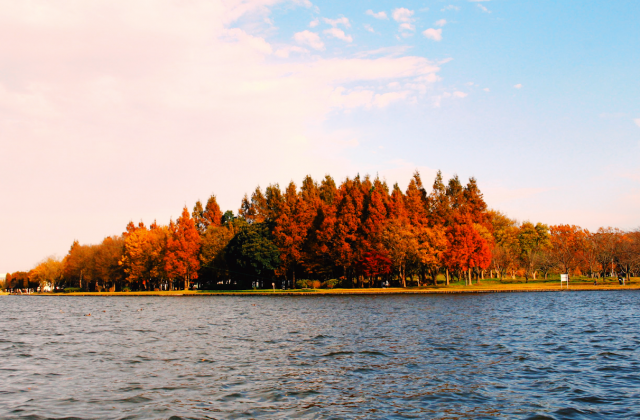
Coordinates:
x,y
489,285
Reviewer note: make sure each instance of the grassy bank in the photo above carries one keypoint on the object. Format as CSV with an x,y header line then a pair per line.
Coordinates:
x,y
485,286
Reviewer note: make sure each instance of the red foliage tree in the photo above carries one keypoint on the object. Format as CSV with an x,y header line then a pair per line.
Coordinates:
x,y
183,246
567,243
416,201
374,264
467,250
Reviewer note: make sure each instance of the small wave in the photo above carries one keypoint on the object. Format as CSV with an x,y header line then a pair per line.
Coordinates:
x,y
373,353
138,399
231,397
337,353
591,400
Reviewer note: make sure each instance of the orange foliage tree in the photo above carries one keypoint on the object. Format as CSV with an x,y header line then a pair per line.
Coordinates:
x,y
567,242
183,246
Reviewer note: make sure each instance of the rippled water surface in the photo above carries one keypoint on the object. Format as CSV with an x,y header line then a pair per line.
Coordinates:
x,y
567,355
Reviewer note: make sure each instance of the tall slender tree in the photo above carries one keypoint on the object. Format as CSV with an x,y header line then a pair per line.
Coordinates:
x,y
212,214
183,246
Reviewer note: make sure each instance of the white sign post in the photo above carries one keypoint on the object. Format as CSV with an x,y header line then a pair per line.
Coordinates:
x,y
564,278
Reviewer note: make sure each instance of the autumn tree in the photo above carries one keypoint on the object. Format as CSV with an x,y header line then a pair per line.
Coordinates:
x,y
19,280
135,262
254,210
106,257
473,205
439,209
198,217
347,244
48,272
533,241
566,246
455,198
416,201
183,245
606,244
430,246
290,232
629,253
506,250
319,251
79,266
213,262
374,264
212,214
467,250
375,213
398,239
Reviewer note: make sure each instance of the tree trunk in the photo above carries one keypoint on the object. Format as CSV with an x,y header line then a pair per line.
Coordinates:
x,y
446,272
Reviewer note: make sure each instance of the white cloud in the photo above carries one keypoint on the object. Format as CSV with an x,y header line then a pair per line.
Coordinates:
x,y
518,86
377,15
340,21
434,34
458,94
368,28
441,22
637,121
450,7
309,38
483,8
338,33
402,15
314,23
477,1
486,89
285,51
407,26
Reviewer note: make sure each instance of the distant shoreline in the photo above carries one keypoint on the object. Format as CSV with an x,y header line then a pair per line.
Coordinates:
x,y
475,289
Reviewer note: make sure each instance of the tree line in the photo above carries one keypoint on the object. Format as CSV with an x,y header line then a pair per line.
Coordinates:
x,y
358,234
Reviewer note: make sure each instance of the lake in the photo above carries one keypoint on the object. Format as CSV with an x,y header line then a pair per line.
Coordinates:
x,y
569,355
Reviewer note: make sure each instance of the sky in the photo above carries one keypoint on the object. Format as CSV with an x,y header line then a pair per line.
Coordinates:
x,y
113,110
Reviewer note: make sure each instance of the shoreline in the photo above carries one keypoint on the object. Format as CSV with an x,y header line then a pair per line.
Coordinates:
x,y
475,289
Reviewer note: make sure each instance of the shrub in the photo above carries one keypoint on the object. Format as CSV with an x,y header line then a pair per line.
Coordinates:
x,y
303,284
72,289
316,284
330,284
126,289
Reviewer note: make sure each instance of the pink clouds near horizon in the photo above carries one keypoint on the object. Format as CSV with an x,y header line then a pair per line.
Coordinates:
x,y
116,110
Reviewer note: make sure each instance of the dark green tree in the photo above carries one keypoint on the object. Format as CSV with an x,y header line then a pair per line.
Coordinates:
x,y
251,255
